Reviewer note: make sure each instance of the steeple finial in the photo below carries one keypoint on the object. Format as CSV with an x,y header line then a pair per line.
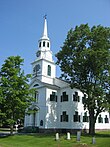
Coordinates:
x,y
45,35
45,16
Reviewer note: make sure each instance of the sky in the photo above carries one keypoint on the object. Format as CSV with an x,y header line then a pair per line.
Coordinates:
x,y
21,24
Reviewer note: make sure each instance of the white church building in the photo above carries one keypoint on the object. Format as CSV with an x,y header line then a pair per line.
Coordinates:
x,y
57,106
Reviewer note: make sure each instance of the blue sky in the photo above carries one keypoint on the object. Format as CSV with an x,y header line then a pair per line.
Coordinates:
x,y
21,24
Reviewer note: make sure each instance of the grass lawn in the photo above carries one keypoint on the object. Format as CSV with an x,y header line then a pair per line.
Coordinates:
x,y
43,140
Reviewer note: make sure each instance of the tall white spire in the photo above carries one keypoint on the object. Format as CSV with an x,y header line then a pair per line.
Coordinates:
x,y
44,44
45,32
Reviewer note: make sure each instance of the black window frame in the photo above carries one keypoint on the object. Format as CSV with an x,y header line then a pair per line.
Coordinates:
x,y
53,97
85,117
84,98
106,119
76,117
64,117
41,123
64,97
100,119
76,97
49,70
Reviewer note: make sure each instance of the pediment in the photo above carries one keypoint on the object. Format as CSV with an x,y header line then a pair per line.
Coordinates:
x,y
36,83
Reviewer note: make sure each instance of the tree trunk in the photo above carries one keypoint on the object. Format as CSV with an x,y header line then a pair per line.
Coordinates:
x,y
11,129
11,124
91,122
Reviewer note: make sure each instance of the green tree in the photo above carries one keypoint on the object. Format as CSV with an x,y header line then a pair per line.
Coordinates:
x,y
16,95
1,113
84,60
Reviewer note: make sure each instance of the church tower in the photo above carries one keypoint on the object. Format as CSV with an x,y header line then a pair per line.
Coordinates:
x,y
44,67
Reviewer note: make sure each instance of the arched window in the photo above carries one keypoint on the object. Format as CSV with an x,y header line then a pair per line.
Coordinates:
x,y
39,44
49,70
41,123
44,44
36,95
47,44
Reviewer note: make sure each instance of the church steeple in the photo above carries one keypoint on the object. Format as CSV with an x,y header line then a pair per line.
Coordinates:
x,y
44,67
44,42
